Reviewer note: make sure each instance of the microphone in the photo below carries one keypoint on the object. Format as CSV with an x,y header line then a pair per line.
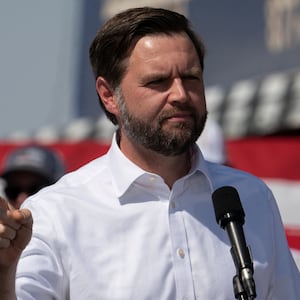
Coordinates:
x,y
230,216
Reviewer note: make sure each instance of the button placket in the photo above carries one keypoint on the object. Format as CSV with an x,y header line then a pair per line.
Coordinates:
x,y
172,204
182,268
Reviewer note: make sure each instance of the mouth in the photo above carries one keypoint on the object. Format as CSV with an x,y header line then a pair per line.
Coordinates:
x,y
180,117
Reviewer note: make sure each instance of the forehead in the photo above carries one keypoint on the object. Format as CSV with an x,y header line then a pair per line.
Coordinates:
x,y
162,49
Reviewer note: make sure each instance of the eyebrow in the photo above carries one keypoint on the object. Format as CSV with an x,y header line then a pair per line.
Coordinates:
x,y
156,75
196,70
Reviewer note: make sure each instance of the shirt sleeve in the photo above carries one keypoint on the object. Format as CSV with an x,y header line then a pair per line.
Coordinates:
x,y
286,278
40,272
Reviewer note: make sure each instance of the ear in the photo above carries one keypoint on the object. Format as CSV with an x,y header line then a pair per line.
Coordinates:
x,y
106,95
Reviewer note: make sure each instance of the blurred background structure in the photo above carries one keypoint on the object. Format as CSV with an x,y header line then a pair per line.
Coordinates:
x,y
252,77
47,88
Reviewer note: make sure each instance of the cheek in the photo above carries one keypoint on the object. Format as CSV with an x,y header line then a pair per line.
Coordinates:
x,y
198,99
142,104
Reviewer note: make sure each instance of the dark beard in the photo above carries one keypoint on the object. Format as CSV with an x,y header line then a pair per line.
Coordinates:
x,y
170,143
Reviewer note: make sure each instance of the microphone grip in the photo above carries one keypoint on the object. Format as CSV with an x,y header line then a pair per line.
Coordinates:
x,y
242,258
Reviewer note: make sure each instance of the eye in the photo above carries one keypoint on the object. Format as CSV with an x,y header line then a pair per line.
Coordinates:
x,y
157,81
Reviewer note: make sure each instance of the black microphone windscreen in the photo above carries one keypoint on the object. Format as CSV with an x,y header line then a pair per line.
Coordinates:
x,y
227,203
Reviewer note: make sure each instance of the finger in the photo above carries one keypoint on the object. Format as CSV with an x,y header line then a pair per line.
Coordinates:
x,y
10,206
23,216
23,237
14,217
4,205
16,226
5,214
7,232
20,217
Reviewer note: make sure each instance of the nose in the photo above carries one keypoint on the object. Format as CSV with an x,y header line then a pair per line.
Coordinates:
x,y
178,91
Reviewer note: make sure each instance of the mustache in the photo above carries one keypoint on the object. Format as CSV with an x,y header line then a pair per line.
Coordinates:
x,y
180,109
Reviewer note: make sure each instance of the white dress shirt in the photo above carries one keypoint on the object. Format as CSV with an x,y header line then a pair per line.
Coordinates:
x,y
111,231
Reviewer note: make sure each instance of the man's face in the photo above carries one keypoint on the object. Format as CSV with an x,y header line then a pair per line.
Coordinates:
x,y
161,97
22,184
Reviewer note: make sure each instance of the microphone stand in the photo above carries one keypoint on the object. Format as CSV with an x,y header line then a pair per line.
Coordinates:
x,y
243,281
239,291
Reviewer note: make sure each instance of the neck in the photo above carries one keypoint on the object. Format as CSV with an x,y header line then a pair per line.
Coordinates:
x,y
170,168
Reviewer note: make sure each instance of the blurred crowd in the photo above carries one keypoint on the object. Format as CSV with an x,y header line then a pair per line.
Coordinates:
x,y
28,169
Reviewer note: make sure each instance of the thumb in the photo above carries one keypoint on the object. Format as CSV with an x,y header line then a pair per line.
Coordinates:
x,y
19,220
23,236
21,216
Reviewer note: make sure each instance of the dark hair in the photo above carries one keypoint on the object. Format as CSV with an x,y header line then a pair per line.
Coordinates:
x,y
115,40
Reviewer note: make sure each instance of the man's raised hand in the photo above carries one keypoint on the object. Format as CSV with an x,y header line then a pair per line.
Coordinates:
x,y
15,233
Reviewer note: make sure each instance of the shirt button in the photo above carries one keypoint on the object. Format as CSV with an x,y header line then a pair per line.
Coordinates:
x,y
180,252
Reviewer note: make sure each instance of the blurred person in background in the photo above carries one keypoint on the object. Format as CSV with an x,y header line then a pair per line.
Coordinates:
x,y
28,169
212,142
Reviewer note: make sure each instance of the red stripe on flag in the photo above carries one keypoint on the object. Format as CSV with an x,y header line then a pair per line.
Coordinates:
x,y
293,236
266,157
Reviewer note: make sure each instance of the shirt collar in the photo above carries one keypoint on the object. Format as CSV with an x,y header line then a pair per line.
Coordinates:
x,y
199,164
125,172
